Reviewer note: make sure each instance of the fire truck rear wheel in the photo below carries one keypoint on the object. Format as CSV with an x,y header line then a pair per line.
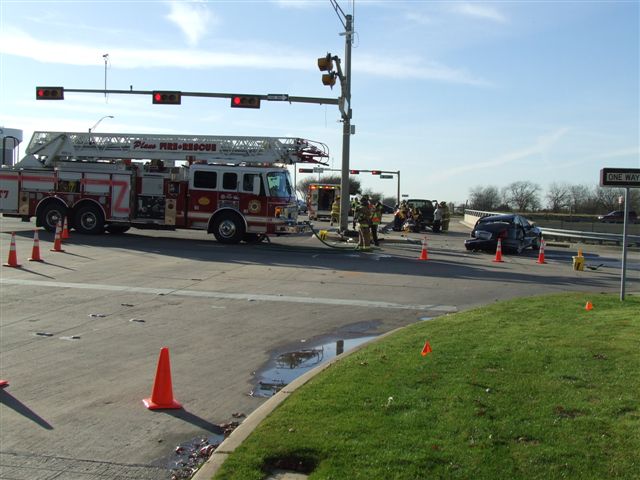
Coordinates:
x,y
89,220
228,228
51,214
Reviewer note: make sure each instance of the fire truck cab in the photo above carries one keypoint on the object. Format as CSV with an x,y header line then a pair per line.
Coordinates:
x,y
237,188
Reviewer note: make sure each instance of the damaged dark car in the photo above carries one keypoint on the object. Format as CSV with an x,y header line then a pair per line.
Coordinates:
x,y
515,232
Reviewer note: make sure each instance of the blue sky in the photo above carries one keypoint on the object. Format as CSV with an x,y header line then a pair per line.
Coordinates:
x,y
452,94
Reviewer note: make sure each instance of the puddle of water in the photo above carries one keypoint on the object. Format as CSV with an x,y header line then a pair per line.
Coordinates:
x,y
288,366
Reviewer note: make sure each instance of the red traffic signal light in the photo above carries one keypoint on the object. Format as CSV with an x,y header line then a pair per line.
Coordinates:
x,y
305,170
245,101
166,98
354,172
375,172
49,93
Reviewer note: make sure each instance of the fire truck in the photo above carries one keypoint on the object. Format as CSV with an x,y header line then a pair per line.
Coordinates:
x,y
237,188
320,197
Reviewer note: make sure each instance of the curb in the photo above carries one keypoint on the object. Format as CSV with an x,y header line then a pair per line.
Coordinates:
x,y
240,434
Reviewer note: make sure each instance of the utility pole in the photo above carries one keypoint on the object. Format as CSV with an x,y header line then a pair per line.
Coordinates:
x,y
345,110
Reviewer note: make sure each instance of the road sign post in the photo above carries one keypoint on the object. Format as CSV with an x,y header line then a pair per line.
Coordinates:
x,y
622,178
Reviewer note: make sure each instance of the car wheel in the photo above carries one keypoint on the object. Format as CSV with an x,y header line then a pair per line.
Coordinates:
x,y
536,243
89,220
50,215
228,228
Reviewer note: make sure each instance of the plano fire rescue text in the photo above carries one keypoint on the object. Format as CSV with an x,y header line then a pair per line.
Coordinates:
x,y
237,188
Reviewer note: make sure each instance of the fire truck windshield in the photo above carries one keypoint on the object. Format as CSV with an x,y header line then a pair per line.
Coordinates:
x,y
279,184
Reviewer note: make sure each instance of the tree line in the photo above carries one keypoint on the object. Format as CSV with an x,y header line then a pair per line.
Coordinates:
x,y
526,196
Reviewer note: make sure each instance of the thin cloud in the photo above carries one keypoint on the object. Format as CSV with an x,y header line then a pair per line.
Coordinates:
x,y
479,11
193,19
541,146
19,43
419,18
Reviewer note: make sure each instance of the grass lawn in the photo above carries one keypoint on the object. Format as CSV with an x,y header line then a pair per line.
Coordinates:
x,y
535,388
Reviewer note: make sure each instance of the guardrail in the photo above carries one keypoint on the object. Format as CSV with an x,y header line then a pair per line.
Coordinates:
x,y
472,216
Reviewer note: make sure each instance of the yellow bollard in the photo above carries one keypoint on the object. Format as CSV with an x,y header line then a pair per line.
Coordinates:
x,y
322,234
578,263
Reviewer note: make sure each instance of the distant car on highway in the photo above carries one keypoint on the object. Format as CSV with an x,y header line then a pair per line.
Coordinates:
x,y
515,232
617,216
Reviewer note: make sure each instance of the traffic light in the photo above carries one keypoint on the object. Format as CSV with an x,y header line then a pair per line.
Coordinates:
x,y
375,172
325,64
354,172
245,101
166,98
49,93
305,170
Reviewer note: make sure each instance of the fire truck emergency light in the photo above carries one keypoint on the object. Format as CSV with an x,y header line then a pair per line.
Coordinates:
x,y
240,101
166,98
49,93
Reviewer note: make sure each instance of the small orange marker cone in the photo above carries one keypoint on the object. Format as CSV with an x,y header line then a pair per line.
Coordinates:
x,y
426,349
35,252
498,251
541,254
424,255
12,261
65,230
588,306
162,394
57,243
4,383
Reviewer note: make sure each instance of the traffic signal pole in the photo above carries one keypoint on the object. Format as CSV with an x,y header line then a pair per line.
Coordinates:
x,y
346,127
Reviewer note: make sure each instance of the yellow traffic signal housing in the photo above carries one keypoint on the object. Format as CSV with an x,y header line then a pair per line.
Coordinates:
x,y
329,79
325,64
49,93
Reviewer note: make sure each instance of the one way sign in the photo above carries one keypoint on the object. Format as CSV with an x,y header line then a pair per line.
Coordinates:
x,y
620,177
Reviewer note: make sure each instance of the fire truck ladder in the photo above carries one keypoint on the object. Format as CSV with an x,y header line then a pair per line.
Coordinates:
x,y
49,147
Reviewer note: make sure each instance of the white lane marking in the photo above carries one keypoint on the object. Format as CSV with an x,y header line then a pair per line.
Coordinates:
x,y
229,296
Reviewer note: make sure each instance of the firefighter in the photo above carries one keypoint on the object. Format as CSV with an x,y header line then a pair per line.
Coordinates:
x,y
446,216
362,216
354,205
437,219
335,210
376,218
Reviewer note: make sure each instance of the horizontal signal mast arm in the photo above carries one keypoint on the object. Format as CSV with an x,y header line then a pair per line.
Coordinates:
x,y
290,99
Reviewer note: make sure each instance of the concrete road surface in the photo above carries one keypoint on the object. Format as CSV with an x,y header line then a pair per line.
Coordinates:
x,y
81,332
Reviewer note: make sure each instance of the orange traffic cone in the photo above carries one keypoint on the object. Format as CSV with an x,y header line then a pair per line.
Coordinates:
x,y
35,252
498,251
57,243
424,255
162,394
12,261
588,306
541,254
65,231
426,349
4,383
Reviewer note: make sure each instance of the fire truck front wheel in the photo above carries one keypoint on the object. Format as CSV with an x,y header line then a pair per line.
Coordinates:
x,y
228,228
89,220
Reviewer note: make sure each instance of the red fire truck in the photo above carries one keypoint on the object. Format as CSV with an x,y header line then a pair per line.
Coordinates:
x,y
237,188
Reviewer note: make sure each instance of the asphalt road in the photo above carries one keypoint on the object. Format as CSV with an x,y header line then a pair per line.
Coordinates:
x,y
81,332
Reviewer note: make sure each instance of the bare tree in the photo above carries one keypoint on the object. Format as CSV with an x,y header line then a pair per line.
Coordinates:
x,y
608,198
484,198
523,195
558,196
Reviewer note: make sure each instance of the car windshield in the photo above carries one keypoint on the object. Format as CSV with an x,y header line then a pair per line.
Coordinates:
x,y
279,184
488,220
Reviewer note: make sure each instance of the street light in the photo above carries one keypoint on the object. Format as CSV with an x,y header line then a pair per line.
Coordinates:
x,y
98,122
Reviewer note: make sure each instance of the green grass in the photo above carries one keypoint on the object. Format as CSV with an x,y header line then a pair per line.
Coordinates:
x,y
535,388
